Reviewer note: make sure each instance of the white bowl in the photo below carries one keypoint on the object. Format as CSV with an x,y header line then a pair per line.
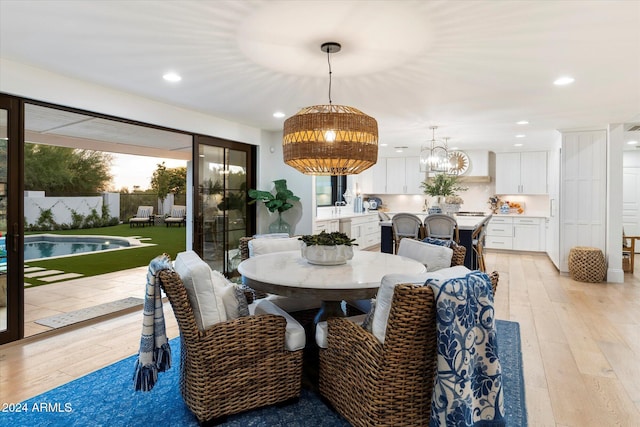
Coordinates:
x,y
327,255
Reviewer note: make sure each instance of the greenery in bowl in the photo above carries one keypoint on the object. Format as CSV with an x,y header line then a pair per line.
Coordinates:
x,y
442,185
280,201
328,239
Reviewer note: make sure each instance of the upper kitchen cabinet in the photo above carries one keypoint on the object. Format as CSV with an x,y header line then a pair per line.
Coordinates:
x,y
374,179
392,175
521,173
404,176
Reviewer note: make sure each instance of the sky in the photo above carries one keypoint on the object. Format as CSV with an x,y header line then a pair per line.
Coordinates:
x,y
129,170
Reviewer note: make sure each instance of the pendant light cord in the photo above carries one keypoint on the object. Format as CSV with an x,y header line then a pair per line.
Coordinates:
x,y
329,62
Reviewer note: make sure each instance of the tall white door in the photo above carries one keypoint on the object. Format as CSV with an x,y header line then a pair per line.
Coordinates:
x,y
553,222
631,201
583,192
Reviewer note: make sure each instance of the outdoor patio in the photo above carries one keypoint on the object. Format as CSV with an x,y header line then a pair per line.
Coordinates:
x,y
76,294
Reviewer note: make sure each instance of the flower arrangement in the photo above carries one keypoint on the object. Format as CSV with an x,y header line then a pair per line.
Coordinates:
x,y
494,203
327,248
442,185
328,239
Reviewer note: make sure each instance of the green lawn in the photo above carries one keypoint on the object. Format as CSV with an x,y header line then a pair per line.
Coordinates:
x,y
165,239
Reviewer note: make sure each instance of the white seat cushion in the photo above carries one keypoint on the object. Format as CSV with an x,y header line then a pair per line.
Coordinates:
x,y
295,337
267,246
322,330
434,257
233,298
208,307
384,297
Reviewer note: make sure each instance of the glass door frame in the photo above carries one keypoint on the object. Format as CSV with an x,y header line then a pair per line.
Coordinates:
x,y
251,156
15,218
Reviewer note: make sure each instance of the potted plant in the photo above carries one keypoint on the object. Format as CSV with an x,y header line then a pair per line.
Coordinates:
x,y
278,202
442,186
327,248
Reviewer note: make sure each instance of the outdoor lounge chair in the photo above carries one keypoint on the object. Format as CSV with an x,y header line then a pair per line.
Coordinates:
x,y
143,217
178,216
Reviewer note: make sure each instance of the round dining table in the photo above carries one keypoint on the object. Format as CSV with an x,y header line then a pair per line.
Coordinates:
x,y
289,274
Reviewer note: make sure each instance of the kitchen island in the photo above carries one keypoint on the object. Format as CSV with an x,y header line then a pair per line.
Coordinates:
x,y
467,224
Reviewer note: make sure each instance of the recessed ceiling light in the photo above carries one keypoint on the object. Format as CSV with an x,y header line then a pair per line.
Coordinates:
x,y
632,142
562,81
400,149
383,145
520,135
522,122
517,145
172,77
278,114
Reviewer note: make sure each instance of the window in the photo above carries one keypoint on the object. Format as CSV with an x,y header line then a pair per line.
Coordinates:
x,y
330,189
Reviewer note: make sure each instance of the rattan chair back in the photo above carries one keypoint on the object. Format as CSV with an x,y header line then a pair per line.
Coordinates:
x,y
394,380
211,361
405,225
441,226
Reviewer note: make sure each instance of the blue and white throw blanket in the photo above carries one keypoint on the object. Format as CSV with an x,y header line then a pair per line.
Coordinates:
x,y
155,354
468,384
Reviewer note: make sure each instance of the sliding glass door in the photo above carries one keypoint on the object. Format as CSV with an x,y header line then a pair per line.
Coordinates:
x,y
11,250
224,174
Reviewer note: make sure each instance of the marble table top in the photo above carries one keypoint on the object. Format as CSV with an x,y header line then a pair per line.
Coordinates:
x,y
288,274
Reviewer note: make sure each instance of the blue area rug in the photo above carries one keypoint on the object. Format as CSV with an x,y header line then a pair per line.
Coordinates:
x,y
106,398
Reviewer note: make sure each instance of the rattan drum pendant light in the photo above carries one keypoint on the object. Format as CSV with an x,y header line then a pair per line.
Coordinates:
x,y
330,139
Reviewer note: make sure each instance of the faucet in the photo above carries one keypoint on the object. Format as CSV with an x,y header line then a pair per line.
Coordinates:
x,y
338,205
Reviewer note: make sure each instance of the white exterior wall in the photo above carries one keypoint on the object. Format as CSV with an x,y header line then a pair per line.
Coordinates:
x,y
61,207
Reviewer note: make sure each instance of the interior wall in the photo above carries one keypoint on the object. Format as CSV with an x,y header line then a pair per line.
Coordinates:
x,y
271,167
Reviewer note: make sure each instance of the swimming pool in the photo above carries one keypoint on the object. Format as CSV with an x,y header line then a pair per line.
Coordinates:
x,y
39,246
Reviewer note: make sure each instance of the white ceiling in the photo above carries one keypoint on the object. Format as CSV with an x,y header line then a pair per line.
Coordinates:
x,y
473,68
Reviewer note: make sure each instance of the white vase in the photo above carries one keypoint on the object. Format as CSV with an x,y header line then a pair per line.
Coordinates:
x,y
327,255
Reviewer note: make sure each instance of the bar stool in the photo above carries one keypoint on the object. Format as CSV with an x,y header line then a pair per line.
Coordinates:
x,y
441,226
405,225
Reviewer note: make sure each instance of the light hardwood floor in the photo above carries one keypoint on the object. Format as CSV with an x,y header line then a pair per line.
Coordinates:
x,y
580,346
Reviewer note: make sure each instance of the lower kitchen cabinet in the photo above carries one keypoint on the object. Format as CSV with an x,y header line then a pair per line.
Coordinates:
x,y
326,225
365,229
516,233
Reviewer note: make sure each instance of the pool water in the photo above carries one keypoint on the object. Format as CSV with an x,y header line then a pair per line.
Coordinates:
x,y
49,246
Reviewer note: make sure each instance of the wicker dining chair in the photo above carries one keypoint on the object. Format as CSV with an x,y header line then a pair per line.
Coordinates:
x,y
232,366
304,311
390,384
355,307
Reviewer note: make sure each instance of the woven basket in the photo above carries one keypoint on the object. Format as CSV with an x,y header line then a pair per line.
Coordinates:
x,y
587,264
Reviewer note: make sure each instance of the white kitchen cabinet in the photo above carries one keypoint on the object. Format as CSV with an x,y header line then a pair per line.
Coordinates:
x,y
521,173
374,179
529,234
364,228
499,233
516,233
326,225
403,175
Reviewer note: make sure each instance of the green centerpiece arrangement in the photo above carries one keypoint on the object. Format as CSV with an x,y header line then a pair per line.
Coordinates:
x,y
280,201
327,248
444,188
